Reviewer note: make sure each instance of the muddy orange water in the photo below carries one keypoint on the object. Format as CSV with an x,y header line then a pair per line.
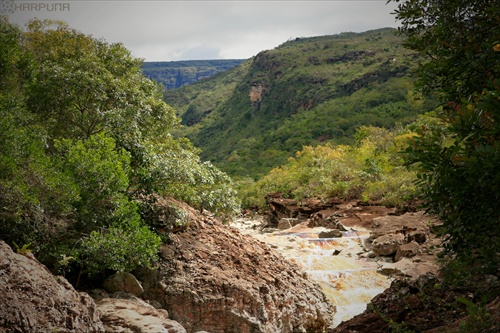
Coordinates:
x,y
348,281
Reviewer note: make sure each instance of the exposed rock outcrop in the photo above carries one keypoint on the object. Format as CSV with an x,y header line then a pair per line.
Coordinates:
x,y
419,306
282,208
134,315
386,245
402,236
413,226
34,300
328,219
213,278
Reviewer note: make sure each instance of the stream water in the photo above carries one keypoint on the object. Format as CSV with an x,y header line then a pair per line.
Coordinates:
x,y
348,281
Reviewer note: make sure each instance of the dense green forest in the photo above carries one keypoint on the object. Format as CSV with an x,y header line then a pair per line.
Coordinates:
x,y
89,144
372,170
458,164
305,92
86,151
175,74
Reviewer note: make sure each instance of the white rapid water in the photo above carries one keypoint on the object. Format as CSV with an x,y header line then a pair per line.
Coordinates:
x,y
348,281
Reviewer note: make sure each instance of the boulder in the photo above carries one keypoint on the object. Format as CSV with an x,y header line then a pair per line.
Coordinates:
x,y
213,278
335,233
413,226
288,208
389,232
407,250
286,223
133,315
34,300
327,219
387,245
125,282
401,308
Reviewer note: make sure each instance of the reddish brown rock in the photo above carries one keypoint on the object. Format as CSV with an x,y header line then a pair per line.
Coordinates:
x,y
34,300
407,251
287,223
419,306
387,245
326,218
288,208
413,226
213,278
134,315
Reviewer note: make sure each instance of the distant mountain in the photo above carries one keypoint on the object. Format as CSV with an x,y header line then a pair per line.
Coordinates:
x,y
307,91
175,74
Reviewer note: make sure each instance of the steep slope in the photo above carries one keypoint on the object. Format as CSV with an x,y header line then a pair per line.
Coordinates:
x,y
306,91
212,278
175,74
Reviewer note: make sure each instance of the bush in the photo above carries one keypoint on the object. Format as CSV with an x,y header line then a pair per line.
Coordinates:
x,y
370,171
82,134
119,249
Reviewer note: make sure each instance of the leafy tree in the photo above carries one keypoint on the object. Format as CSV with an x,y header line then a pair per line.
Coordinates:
x,y
175,169
459,163
105,91
85,86
101,175
371,171
119,248
31,186
84,137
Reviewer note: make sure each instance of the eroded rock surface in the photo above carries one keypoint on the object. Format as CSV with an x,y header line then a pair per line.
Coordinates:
x,y
133,315
34,300
376,245
213,278
419,306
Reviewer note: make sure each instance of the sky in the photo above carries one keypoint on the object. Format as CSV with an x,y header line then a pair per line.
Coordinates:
x,y
171,30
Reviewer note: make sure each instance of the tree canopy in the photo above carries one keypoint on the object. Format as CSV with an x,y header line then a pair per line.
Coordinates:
x,y
85,138
459,161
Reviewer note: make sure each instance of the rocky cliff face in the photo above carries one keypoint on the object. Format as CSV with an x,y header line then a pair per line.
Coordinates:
x,y
211,278
33,300
175,74
215,279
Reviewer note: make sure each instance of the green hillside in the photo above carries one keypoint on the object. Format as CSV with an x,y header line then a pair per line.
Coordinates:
x,y
306,91
175,74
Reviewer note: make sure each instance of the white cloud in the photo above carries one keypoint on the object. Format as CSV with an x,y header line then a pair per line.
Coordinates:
x,y
178,30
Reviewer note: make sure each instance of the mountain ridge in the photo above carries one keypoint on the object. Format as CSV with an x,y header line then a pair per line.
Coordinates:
x,y
307,91
175,74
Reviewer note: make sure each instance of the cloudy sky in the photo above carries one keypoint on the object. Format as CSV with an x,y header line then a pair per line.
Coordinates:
x,y
167,30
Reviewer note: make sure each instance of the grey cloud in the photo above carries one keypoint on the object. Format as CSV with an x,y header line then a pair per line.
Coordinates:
x,y
174,30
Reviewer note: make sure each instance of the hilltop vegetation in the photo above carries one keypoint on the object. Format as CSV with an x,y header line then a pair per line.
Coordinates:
x,y
305,92
175,74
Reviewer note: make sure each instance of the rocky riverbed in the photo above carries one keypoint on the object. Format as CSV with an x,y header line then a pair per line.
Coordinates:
x,y
350,269
348,282
304,268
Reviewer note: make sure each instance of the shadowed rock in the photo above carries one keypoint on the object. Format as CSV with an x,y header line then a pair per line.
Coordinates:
x,y
34,300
